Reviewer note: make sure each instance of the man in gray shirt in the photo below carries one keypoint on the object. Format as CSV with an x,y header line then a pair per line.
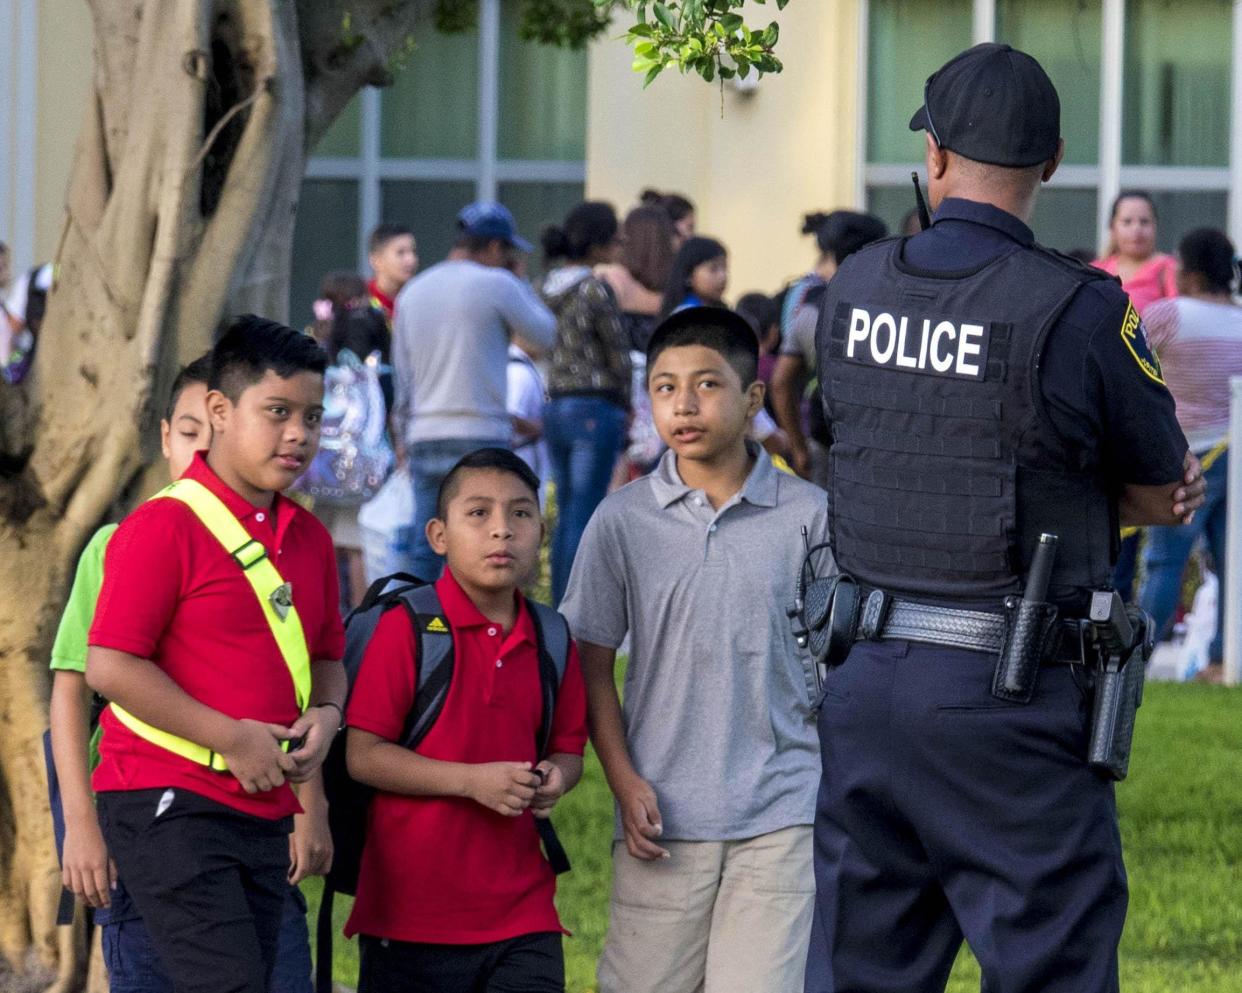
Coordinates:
x,y
450,350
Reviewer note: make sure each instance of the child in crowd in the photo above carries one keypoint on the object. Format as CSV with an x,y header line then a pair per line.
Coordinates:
x,y
454,892
215,638
526,397
699,277
393,257
714,761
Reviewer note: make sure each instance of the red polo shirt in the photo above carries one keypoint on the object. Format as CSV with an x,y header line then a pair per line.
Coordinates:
x,y
172,594
382,300
446,870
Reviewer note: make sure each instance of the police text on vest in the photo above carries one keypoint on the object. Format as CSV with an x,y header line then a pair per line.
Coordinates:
x,y
928,345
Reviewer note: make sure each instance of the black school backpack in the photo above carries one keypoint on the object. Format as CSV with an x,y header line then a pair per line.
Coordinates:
x,y
349,800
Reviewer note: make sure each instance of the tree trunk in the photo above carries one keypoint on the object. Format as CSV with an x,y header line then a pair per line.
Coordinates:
x,y
180,210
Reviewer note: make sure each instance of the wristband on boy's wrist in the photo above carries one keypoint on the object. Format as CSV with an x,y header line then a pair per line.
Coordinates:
x,y
340,713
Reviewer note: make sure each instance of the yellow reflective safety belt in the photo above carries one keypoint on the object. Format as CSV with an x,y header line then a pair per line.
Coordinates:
x,y
274,596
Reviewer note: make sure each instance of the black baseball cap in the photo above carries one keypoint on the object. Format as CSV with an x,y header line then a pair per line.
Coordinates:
x,y
992,104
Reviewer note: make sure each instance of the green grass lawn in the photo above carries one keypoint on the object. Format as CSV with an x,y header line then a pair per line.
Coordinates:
x,y
1181,816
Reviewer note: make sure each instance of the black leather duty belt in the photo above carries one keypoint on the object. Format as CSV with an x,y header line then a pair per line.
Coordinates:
x,y
882,617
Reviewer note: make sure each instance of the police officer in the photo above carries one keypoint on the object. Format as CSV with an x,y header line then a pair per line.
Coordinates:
x,y
980,390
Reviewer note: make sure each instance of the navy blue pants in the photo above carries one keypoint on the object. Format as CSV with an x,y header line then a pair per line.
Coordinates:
x,y
529,963
944,813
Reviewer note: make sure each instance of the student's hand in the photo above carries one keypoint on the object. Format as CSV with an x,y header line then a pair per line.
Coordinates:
x,y
505,787
1190,497
310,845
640,819
319,726
551,790
255,757
88,871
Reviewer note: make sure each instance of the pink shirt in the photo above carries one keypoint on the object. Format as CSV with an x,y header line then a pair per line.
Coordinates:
x,y
1155,279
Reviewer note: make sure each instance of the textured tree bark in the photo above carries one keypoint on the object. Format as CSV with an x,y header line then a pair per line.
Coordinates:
x,y
180,210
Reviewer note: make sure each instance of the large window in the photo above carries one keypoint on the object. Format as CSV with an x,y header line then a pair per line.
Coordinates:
x,y
476,115
1145,102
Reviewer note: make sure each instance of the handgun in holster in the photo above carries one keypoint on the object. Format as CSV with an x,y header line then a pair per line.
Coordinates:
x,y
1122,638
824,614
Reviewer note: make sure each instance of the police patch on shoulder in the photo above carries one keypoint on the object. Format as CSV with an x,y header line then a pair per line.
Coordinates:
x,y
1135,337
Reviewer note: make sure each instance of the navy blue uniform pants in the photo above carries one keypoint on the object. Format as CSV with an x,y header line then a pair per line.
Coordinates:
x,y
944,813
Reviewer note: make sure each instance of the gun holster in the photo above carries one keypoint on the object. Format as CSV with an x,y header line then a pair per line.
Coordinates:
x,y
830,618
1118,695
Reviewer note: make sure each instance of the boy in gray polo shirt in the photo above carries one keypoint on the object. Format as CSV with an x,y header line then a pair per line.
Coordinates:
x,y
714,761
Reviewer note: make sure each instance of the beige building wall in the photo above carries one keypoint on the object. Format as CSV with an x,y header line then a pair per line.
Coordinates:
x,y
65,59
786,148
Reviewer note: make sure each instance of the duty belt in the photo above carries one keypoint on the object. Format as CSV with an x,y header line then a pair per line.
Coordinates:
x,y
882,617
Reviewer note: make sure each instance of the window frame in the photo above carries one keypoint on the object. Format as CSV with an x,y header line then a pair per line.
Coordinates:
x,y
369,168
1109,176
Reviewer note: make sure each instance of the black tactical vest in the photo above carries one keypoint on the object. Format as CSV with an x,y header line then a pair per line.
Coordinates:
x,y
944,465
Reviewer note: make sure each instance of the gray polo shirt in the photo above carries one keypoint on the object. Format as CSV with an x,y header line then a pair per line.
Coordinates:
x,y
717,696
450,349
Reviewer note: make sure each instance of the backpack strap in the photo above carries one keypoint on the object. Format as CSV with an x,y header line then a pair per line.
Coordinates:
x,y
552,637
435,661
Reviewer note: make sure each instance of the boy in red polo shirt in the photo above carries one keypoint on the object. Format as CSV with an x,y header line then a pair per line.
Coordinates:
x,y
454,892
221,688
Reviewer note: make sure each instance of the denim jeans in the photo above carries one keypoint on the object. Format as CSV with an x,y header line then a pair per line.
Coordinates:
x,y
292,973
1168,548
584,436
430,462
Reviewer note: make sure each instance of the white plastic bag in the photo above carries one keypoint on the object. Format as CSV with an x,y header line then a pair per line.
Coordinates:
x,y
387,525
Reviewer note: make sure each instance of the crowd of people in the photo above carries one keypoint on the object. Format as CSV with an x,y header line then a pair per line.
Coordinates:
x,y
484,393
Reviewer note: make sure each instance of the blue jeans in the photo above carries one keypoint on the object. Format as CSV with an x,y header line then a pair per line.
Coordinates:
x,y
292,972
1168,548
134,967
584,436
430,462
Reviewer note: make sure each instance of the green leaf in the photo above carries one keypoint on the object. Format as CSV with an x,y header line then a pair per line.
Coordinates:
x,y
771,34
654,71
707,69
731,23
664,16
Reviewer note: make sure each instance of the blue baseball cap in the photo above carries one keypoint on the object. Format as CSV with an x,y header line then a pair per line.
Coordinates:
x,y
489,219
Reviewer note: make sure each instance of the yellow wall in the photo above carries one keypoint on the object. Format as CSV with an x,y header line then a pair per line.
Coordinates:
x,y
65,60
781,151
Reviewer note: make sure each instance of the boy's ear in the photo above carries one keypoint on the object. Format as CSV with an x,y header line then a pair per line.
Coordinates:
x,y
218,409
435,536
755,393
165,431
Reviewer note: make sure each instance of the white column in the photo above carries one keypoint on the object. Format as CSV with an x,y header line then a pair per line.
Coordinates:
x,y
7,20
1233,541
369,199
1235,130
23,132
860,141
489,96
1112,54
983,27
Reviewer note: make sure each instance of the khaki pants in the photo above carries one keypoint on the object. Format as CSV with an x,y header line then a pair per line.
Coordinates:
x,y
714,917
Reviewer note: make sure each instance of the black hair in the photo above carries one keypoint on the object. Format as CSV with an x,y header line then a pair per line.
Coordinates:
x,y
198,371
673,204
843,232
1132,195
384,233
251,345
717,328
760,311
475,244
484,459
692,254
1209,253
591,224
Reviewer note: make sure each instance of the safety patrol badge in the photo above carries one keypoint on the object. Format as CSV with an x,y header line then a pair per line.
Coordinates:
x,y
1135,337
282,600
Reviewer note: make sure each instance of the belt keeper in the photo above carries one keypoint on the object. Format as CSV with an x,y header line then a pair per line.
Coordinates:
x,y
874,614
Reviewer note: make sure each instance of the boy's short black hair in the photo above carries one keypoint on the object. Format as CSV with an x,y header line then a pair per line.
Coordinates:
x,y
198,371
716,328
491,460
385,233
251,345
